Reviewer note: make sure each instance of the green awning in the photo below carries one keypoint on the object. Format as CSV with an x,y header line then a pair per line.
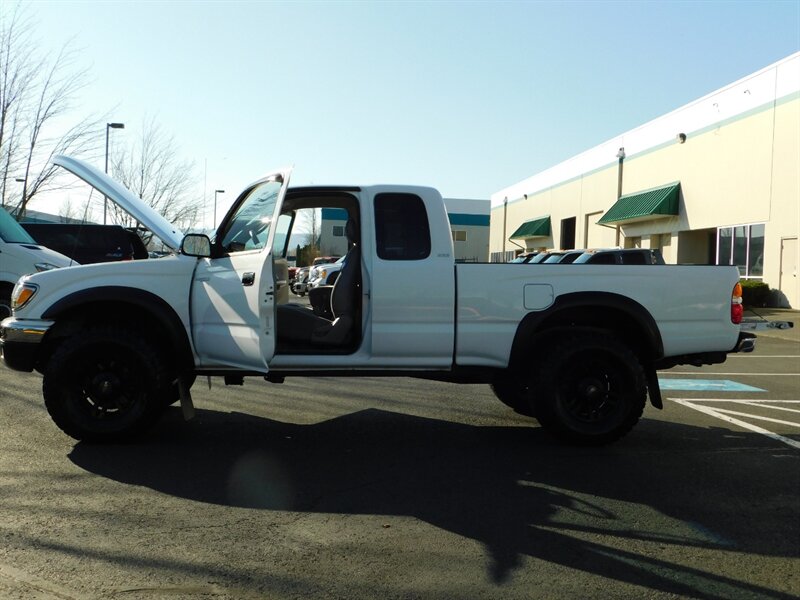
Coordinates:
x,y
539,227
643,206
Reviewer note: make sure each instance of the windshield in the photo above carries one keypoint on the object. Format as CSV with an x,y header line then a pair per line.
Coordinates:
x,y
249,227
12,232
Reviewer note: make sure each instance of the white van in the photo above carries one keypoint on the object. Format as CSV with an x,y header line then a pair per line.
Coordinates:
x,y
21,255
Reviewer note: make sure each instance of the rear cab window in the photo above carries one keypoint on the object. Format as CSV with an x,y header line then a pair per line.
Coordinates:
x,y
402,231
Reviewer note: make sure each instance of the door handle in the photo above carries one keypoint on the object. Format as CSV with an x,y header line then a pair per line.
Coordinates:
x,y
248,278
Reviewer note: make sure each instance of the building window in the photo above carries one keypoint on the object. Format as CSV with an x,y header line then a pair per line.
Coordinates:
x,y
742,246
338,231
459,235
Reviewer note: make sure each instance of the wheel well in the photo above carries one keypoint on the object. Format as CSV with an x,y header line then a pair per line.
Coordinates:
x,y
159,329
539,330
6,287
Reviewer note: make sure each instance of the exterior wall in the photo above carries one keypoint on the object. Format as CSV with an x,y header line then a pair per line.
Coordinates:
x,y
472,218
737,165
331,220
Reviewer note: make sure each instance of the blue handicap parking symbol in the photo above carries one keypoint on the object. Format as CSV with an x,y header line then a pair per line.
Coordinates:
x,y
706,385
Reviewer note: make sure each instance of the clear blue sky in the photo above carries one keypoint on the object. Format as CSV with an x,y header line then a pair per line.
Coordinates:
x,y
468,97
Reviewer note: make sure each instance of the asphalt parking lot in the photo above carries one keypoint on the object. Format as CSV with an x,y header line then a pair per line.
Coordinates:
x,y
399,488
757,392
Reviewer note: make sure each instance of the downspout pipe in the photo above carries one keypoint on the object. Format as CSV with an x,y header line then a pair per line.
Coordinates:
x,y
505,221
621,157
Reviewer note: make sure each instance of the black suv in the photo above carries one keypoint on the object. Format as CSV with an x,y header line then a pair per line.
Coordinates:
x,y
87,243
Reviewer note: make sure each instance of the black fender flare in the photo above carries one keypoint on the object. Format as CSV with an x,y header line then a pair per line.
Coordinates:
x,y
149,302
568,305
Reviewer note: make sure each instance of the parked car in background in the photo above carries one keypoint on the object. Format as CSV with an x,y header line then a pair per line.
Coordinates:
x,y
89,243
21,255
321,274
563,258
621,256
525,257
292,272
300,285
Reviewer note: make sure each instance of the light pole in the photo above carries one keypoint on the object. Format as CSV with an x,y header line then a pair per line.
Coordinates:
x,y
214,224
109,126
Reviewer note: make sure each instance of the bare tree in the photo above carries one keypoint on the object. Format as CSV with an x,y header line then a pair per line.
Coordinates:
x,y
68,212
17,71
35,94
315,228
151,169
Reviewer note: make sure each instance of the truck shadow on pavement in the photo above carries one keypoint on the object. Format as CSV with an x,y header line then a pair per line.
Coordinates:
x,y
513,489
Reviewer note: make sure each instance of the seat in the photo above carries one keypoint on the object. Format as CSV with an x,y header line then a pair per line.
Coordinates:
x,y
300,325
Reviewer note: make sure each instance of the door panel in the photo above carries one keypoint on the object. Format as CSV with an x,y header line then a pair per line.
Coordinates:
x,y
233,293
412,287
788,279
232,310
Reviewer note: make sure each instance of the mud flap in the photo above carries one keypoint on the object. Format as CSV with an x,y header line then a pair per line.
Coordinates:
x,y
653,389
187,406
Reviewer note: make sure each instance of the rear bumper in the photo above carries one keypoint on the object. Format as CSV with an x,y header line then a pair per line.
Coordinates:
x,y
20,340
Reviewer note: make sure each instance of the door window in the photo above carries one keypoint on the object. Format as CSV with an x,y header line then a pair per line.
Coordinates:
x,y
248,229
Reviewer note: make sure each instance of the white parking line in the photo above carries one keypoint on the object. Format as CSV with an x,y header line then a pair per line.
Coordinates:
x,y
707,373
764,356
721,414
761,403
740,401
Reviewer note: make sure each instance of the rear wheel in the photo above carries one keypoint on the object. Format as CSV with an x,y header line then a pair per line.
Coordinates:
x,y
593,390
105,384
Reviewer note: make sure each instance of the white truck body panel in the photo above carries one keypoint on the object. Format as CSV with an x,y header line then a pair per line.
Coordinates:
x,y
491,303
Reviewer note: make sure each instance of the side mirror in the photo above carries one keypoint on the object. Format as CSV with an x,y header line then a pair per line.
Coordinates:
x,y
196,244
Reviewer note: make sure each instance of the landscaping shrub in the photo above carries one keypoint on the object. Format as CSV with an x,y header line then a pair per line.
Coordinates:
x,y
754,293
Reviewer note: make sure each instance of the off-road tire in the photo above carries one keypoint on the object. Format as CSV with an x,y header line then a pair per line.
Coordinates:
x,y
105,385
5,301
592,390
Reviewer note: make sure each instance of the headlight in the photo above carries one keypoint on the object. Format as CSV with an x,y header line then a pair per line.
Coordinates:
x,y
44,267
22,294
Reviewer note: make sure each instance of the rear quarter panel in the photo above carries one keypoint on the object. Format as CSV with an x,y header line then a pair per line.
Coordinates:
x,y
690,304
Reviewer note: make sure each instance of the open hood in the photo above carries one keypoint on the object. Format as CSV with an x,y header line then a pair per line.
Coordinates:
x,y
124,198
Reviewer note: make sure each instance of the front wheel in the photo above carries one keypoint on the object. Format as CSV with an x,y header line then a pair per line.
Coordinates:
x,y
593,390
105,384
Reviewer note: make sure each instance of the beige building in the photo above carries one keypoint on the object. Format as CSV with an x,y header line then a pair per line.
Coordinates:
x,y
714,182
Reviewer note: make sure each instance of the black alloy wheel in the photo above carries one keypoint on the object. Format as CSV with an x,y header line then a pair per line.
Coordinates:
x,y
104,385
593,390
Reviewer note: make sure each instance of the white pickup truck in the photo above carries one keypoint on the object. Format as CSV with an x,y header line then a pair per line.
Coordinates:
x,y
575,346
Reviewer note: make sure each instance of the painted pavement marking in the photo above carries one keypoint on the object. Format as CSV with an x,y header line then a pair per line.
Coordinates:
x,y
748,374
764,356
705,385
725,415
